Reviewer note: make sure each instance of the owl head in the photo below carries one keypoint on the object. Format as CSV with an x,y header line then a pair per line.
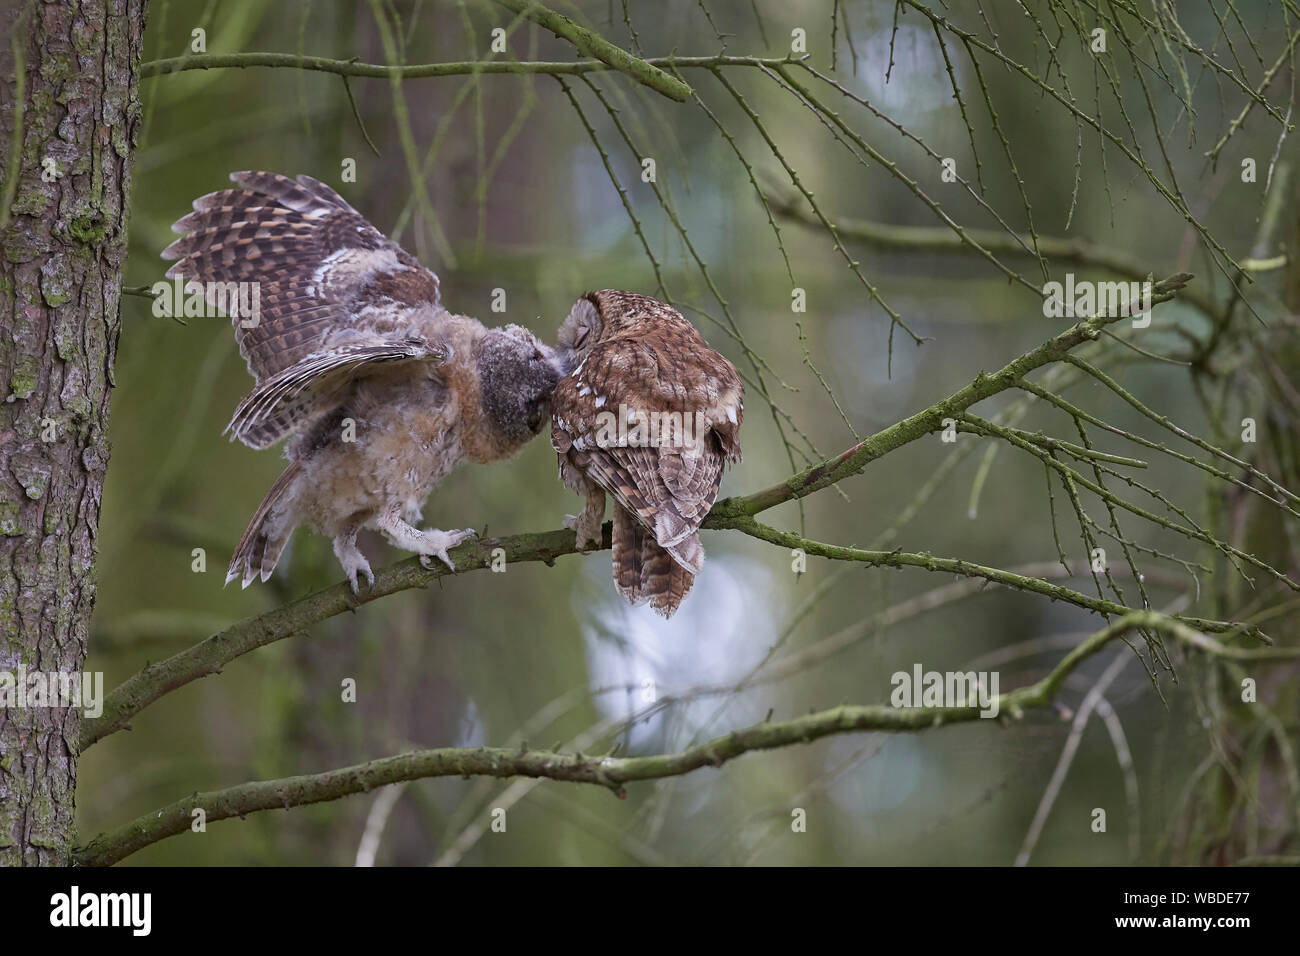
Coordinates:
x,y
600,316
517,374
578,333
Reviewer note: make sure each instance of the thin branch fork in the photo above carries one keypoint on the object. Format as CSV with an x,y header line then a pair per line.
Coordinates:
x,y
931,419
593,44
939,239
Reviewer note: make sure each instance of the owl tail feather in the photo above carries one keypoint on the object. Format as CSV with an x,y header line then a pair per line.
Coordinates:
x,y
646,572
267,533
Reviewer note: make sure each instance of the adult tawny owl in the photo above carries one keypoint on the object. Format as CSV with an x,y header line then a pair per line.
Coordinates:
x,y
381,390
650,414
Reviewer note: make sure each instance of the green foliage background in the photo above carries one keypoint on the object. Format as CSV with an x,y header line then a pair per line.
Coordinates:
x,y
525,204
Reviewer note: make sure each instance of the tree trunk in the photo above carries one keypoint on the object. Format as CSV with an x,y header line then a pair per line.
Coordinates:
x,y
68,122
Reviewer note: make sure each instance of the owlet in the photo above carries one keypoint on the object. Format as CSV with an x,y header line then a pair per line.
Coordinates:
x,y
380,390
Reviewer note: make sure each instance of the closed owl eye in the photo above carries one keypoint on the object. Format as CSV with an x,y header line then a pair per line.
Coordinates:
x,y
582,337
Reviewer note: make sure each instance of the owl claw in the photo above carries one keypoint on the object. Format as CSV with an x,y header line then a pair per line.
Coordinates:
x,y
585,539
370,580
354,572
439,542
353,561
426,560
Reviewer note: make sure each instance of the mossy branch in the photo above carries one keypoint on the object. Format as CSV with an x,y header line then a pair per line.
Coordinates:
x,y
613,772
411,71
930,562
589,43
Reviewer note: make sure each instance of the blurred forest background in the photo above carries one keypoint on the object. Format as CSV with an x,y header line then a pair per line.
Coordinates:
x,y
522,200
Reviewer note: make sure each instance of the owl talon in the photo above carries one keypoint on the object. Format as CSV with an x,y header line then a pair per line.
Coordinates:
x,y
438,543
353,561
354,577
584,538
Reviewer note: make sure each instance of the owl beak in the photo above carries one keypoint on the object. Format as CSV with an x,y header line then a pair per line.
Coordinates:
x,y
538,414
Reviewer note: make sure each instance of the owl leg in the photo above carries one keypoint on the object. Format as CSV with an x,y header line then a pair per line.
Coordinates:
x,y
353,561
427,544
586,526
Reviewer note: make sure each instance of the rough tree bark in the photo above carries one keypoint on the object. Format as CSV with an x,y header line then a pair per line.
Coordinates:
x,y
68,121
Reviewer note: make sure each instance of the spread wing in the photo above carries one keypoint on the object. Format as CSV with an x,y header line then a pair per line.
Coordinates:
x,y
286,401
329,287
668,487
